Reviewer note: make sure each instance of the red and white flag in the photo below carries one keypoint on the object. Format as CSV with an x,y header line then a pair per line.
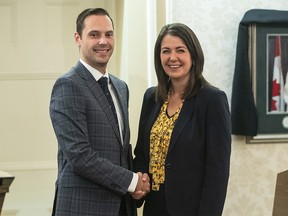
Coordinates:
x,y
277,101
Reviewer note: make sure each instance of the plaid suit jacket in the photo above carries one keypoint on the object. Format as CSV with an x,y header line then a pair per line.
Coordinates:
x,y
93,164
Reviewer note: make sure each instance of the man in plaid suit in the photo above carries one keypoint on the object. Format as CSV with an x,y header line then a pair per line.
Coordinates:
x,y
94,154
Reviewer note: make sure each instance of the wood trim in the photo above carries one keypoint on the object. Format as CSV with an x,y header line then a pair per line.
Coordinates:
x,y
29,76
28,165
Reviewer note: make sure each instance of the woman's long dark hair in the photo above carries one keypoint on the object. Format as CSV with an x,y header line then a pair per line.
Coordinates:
x,y
189,38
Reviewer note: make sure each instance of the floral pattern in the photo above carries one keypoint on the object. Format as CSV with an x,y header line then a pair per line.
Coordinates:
x,y
159,144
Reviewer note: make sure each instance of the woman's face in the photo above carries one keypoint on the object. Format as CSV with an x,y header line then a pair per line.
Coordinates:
x,y
175,58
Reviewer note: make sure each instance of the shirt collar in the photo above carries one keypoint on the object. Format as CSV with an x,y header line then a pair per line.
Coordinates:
x,y
95,73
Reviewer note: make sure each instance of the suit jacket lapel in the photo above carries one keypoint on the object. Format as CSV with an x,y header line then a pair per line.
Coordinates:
x,y
96,89
184,117
122,99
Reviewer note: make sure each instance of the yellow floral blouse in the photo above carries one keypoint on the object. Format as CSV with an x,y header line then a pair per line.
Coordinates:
x,y
159,143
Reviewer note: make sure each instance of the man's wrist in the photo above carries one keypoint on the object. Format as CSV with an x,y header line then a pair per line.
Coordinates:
x,y
133,183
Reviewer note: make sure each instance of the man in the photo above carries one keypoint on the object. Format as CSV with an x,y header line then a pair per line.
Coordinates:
x,y
94,154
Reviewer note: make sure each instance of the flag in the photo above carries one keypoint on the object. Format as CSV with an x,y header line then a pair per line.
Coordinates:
x,y
277,101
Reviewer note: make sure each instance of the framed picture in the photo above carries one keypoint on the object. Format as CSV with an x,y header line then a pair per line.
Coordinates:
x,y
268,56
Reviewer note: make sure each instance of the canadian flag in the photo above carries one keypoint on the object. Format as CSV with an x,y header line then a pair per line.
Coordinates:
x,y
277,102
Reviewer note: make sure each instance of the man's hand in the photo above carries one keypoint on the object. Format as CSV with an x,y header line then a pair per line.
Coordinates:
x,y
142,187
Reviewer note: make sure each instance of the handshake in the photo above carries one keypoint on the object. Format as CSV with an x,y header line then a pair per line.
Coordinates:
x,y
142,187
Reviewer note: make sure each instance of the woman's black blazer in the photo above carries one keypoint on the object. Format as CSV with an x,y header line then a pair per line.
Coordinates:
x,y
198,160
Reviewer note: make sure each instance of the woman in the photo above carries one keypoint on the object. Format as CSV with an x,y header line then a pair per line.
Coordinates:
x,y
184,137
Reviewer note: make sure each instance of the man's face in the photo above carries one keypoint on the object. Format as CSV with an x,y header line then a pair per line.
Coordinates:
x,y
97,41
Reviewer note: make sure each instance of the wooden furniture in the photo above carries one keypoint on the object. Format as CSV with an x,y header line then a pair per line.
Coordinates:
x,y
5,181
280,207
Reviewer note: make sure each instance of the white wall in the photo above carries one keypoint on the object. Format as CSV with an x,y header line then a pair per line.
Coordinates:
x,y
253,167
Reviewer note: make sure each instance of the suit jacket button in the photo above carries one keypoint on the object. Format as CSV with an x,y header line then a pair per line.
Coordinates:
x,y
168,166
